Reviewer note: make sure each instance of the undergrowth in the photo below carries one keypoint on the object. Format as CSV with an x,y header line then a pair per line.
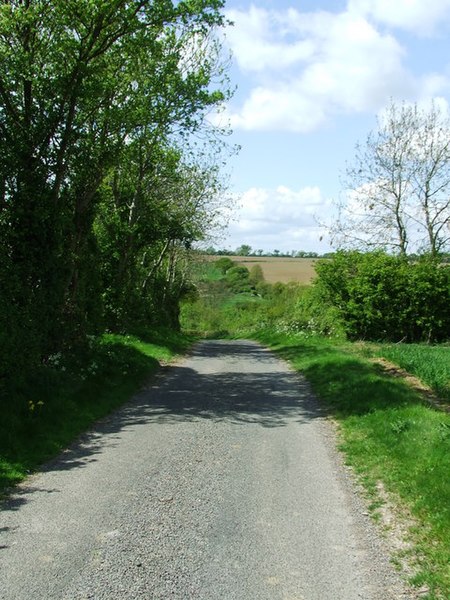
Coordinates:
x,y
69,392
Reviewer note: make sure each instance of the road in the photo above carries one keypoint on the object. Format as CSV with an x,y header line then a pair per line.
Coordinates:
x,y
219,481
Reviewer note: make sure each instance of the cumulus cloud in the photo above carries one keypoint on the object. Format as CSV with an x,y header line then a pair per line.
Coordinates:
x,y
282,107
423,18
304,68
258,39
281,218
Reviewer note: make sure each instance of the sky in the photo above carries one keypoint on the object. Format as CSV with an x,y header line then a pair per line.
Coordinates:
x,y
311,78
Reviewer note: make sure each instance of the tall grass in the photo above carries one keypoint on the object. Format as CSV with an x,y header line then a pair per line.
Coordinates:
x,y
431,364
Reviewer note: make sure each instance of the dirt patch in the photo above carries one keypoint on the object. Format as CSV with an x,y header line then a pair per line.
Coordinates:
x,y
397,522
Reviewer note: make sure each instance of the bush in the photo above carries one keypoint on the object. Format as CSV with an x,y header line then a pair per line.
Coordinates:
x,y
224,264
256,275
315,316
382,297
237,279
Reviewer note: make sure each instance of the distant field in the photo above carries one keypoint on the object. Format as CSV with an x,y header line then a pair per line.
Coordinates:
x,y
279,269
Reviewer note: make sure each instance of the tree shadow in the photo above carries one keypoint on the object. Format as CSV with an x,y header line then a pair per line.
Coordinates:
x,y
268,395
268,400
349,386
19,497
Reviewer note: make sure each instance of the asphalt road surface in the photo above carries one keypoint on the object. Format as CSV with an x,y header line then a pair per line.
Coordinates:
x,y
219,481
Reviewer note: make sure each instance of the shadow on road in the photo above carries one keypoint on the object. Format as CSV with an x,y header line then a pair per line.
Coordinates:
x,y
265,394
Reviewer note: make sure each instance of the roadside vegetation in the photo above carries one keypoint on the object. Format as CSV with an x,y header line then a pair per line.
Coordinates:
x,y
61,399
360,308
108,174
430,363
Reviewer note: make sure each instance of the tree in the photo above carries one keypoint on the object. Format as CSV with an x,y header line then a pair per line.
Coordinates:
x,y
244,250
88,90
398,188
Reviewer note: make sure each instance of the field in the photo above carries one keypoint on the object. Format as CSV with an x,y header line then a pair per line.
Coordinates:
x,y
279,269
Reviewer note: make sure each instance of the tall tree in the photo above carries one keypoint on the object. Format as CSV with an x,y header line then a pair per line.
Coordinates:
x,y
153,206
80,83
398,187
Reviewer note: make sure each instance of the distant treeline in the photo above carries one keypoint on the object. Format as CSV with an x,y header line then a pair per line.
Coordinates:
x,y
246,250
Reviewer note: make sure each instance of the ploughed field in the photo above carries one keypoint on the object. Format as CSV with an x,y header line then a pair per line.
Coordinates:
x,y
281,269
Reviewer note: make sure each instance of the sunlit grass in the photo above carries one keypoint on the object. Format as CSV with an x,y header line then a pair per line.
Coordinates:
x,y
430,363
388,434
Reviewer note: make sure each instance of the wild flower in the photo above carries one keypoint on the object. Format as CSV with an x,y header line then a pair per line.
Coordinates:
x,y
54,359
35,406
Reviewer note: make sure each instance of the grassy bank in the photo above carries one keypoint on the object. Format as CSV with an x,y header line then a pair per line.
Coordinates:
x,y
389,435
55,404
431,364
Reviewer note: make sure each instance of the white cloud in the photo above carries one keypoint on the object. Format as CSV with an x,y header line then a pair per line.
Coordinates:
x,y
415,15
258,41
433,86
280,218
283,107
305,68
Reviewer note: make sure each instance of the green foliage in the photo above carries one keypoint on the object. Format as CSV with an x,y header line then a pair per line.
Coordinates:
x,y
240,300
104,182
383,297
224,264
430,363
314,316
238,279
222,305
256,275
371,296
244,250
69,391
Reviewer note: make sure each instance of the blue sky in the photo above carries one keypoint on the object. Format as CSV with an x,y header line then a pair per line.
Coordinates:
x,y
311,78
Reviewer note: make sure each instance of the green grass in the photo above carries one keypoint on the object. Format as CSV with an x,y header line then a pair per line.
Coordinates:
x,y
54,405
388,435
431,364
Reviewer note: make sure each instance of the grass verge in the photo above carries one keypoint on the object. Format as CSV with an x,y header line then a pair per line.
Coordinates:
x,y
55,404
431,364
388,435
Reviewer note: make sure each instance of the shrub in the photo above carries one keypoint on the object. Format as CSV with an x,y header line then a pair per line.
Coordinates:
x,y
224,264
256,275
382,297
237,278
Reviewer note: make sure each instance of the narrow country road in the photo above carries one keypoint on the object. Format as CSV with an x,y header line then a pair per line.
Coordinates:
x,y
218,482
